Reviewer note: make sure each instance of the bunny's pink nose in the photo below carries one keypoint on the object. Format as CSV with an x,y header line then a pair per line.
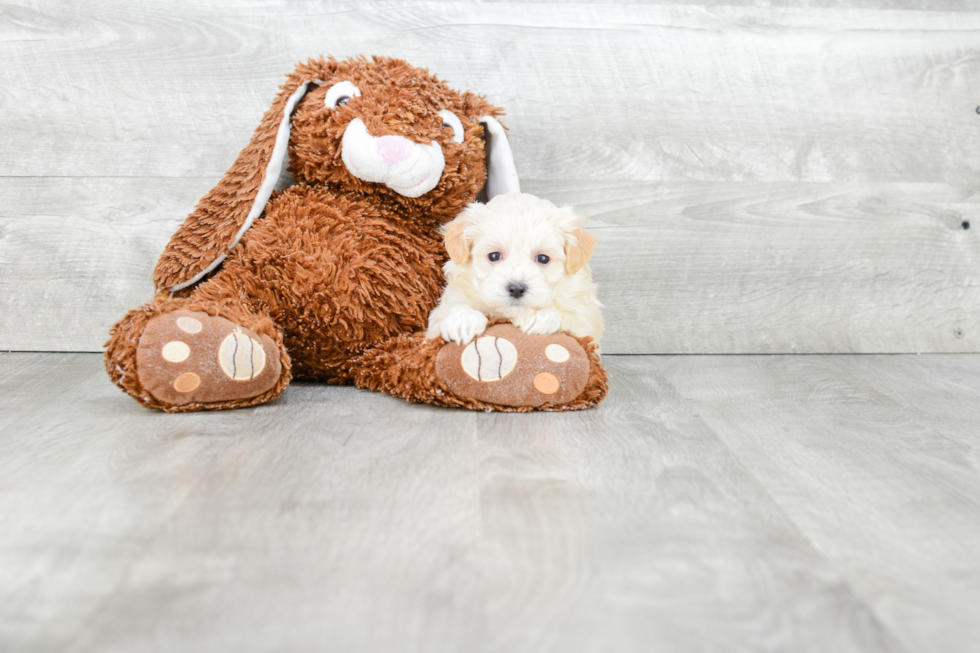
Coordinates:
x,y
394,149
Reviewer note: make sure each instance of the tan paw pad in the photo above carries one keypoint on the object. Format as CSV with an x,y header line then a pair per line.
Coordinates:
x,y
189,324
175,351
547,383
187,382
489,359
556,353
241,357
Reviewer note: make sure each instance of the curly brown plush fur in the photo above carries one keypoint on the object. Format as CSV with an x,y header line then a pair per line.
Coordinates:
x,y
341,273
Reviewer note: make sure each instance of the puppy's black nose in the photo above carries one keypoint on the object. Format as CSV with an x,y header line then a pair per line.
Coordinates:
x,y
516,290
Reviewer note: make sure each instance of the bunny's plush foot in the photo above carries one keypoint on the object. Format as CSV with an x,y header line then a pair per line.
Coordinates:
x,y
508,367
183,359
504,369
187,357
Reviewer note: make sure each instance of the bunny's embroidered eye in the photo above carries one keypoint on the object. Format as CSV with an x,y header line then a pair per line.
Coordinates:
x,y
451,121
340,93
494,256
542,259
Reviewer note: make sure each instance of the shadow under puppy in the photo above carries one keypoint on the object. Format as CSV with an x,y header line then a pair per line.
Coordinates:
x,y
519,258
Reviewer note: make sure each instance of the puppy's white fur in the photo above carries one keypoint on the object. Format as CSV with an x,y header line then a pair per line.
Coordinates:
x,y
559,295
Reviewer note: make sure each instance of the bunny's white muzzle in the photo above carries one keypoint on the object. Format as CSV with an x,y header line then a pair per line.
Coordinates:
x,y
408,168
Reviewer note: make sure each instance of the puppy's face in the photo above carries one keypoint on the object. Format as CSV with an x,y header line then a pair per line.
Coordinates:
x,y
517,249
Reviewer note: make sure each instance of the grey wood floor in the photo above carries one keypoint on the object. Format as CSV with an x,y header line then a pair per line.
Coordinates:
x,y
712,503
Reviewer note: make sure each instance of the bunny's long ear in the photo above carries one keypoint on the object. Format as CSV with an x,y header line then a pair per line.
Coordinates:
x,y
225,214
501,172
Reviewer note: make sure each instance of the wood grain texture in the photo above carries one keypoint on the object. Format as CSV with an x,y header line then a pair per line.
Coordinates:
x,y
682,268
914,5
783,268
791,178
343,520
780,503
876,460
323,536
76,254
633,528
593,91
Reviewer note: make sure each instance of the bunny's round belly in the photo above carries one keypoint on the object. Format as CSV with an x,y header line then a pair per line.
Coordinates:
x,y
339,275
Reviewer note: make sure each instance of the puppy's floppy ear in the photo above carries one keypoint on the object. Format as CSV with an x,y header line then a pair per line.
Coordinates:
x,y
456,243
501,172
223,215
579,245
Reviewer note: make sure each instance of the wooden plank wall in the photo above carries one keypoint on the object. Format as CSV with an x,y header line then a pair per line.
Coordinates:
x,y
790,178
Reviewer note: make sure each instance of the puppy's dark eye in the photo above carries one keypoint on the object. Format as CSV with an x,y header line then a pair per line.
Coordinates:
x,y
343,100
494,256
542,259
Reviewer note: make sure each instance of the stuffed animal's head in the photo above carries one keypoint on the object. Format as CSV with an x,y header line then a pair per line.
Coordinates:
x,y
377,127
383,127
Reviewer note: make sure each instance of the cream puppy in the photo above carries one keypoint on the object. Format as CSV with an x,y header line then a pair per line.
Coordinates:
x,y
520,258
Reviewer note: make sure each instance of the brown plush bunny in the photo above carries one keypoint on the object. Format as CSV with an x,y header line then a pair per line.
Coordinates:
x,y
333,278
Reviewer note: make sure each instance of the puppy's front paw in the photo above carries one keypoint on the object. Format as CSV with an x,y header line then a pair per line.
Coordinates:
x,y
543,323
462,324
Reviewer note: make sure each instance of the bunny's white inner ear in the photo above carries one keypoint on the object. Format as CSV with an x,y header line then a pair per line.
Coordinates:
x,y
272,171
501,172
